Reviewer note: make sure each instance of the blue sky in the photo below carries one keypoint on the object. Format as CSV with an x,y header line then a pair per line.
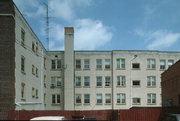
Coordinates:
x,y
108,24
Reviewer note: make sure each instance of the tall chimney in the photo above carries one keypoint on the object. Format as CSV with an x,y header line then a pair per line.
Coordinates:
x,y
69,69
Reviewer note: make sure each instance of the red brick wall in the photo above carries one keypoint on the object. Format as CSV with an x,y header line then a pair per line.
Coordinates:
x,y
7,58
171,83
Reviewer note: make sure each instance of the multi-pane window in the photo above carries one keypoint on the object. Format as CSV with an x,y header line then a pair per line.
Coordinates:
x,y
22,64
170,63
22,37
120,63
33,92
86,64
78,64
55,64
56,82
33,46
78,98
86,81
37,47
36,72
107,63
107,81
135,65
151,81
22,91
36,93
86,98
136,100
44,63
107,98
136,82
162,64
121,98
98,64
99,98
151,63
99,81
45,81
78,81
151,98
56,99
33,69
121,81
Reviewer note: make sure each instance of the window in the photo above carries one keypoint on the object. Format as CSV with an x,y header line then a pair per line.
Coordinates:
x,y
151,98
107,81
45,81
33,69
151,63
44,63
36,47
120,63
22,37
107,63
121,98
136,82
108,98
151,81
98,64
55,64
78,98
33,92
86,81
78,64
23,64
36,72
56,82
162,64
86,98
121,81
56,99
99,81
86,64
170,63
33,47
23,91
136,66
136,101
36,93
44,98
99,98
78,81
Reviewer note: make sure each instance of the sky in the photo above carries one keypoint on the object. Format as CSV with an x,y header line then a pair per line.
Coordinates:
x,y
107,24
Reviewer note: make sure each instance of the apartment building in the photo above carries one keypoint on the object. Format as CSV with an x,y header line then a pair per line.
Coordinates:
x,y
32,78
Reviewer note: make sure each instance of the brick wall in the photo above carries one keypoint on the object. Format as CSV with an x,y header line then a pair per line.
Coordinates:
x,y
7,58
170,85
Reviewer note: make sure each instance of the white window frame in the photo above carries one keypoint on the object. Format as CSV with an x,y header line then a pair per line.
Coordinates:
x,y
98,63
151,81
107,64
86,98
99,81
108,99
170,62
151,63
121,81
136,103
121,98
78,97
107,81
86,64
86,81
78,81
78,64
121,63
56,64
56,100
162,64
151,98
99,98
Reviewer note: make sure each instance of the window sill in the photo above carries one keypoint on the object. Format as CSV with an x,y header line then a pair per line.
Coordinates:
x,y
99,104
136,86
86,87
151,86
107,103
56,69
107,86
86,69
136,103
151,69
120,103
56,104
151,103
136,69
121,86
98,86
120,68
99,69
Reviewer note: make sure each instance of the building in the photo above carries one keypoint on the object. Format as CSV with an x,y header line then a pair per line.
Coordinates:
x,y
32,78
170,86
